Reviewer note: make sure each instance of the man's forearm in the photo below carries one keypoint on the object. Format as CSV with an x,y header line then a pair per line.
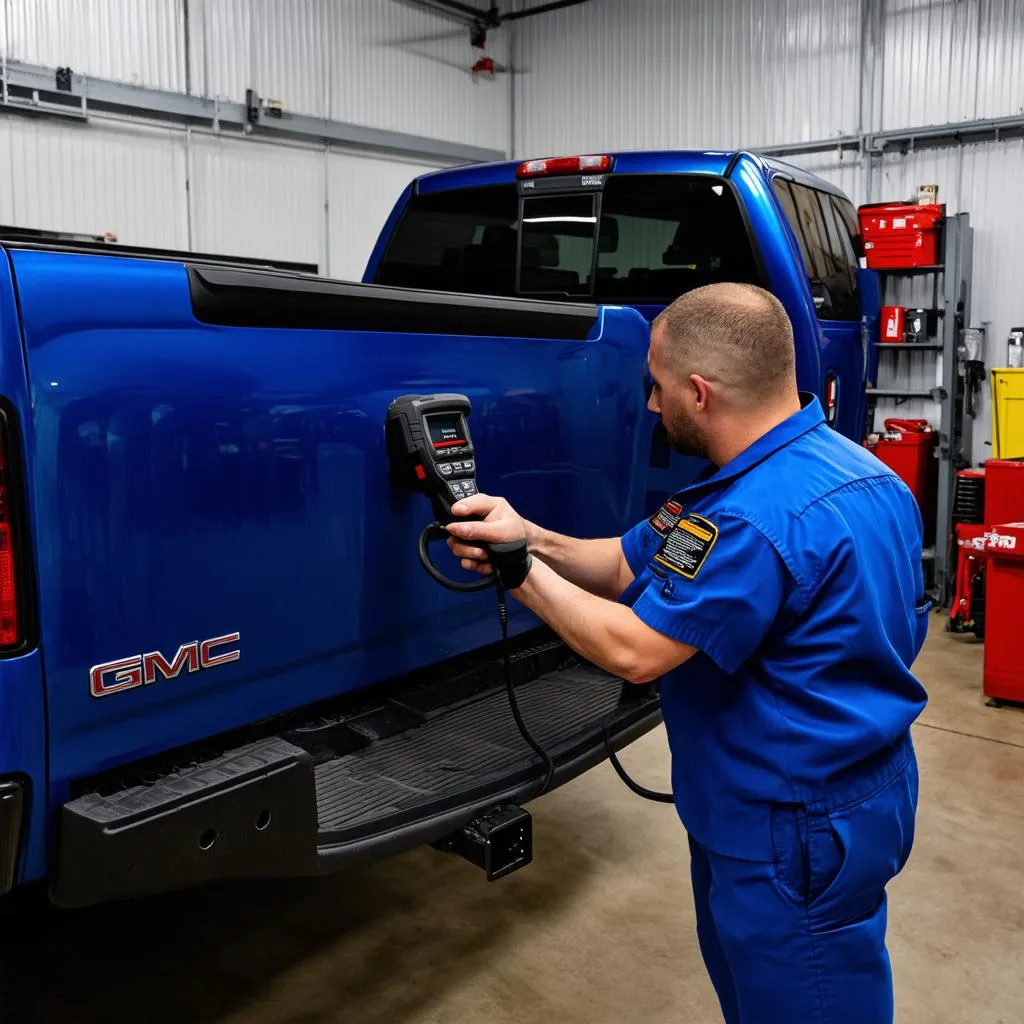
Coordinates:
x,y
597,566
601,631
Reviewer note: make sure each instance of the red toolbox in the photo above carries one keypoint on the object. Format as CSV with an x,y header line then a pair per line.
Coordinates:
x,y
1004,598
1004,490
901,234
908,448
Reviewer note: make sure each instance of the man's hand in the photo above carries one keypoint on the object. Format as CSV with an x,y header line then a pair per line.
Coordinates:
x,y
596,627
499,522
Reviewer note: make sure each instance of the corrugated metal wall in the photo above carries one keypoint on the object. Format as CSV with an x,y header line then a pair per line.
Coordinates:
x,y
656,74
137,41
623,74
371,62
91,178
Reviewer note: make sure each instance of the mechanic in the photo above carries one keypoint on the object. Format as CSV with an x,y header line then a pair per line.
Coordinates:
x,y
779,600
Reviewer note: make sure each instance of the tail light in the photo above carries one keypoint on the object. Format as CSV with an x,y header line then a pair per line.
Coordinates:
x,y
831,398
10,620
564,165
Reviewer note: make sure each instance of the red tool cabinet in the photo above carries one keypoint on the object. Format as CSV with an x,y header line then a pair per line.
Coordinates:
x,y
901,234
1004,598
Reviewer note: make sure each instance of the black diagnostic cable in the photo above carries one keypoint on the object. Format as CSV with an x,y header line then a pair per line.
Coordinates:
x,y
515,554
647,794
516,551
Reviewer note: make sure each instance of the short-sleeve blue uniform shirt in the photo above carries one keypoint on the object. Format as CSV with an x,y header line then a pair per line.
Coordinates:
x,y
795,569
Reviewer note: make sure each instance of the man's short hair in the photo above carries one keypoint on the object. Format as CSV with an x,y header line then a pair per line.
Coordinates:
x,y
735,334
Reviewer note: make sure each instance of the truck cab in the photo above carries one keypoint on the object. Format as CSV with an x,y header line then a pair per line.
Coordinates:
x,y
638,230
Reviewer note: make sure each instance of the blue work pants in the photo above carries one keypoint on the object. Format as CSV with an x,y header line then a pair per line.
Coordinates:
x,y
801,940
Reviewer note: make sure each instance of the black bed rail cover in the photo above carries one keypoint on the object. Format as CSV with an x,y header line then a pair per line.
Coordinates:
x,y
262,298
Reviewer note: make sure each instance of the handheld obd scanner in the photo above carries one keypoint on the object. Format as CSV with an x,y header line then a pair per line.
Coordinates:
x,y
430,451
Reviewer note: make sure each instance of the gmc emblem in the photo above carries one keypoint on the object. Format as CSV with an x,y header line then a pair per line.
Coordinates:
x,y
142,669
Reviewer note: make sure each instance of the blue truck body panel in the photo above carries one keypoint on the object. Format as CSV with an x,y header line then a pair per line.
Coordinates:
x,y
192,481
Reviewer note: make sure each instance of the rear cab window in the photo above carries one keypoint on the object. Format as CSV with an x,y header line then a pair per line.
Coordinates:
x,y
641,239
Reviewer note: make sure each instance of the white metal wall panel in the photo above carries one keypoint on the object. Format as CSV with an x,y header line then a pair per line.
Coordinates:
x,y
258,199
1000,58
221,44
662,74
6,171
137,41
362,193
276,48
405,69
289,53
947,60
930,57
370,62
69,177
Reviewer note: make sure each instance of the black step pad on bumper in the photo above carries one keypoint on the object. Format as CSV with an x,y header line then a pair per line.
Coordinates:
x,y
346,789
461,754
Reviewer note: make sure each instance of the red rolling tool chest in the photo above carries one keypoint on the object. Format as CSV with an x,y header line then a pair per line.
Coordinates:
x,y
1004,490
1004,599
901,234
908,448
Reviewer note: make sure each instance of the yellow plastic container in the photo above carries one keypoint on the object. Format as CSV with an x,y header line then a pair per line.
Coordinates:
x,y
1007,413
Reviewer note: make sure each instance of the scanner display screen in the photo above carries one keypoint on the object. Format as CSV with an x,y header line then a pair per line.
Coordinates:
x,y
446,432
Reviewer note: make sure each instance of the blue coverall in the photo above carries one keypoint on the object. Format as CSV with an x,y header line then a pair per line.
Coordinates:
x,y
795,570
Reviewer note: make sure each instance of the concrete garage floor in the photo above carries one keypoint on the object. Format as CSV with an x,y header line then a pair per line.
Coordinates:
x,y
599,929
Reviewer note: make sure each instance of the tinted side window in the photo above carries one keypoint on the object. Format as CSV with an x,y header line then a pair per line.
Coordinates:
x,y
842,265
848,218
781,187
824,241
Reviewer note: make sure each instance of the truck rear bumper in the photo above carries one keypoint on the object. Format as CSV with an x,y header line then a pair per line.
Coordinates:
x,y
346,788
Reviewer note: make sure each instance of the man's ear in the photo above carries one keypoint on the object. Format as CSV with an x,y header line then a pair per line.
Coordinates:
x,y
701,389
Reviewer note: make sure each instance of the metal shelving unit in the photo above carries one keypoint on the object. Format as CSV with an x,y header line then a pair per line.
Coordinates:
x,y
947,287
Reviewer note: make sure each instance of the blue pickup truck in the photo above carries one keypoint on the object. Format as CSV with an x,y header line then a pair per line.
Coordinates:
x,y
219,653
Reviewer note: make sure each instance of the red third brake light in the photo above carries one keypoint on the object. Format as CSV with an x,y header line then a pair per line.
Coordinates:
x,y
564,165
10,627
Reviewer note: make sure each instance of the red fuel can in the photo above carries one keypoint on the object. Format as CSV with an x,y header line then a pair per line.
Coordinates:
x,y
893,321
908,448
1004,599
